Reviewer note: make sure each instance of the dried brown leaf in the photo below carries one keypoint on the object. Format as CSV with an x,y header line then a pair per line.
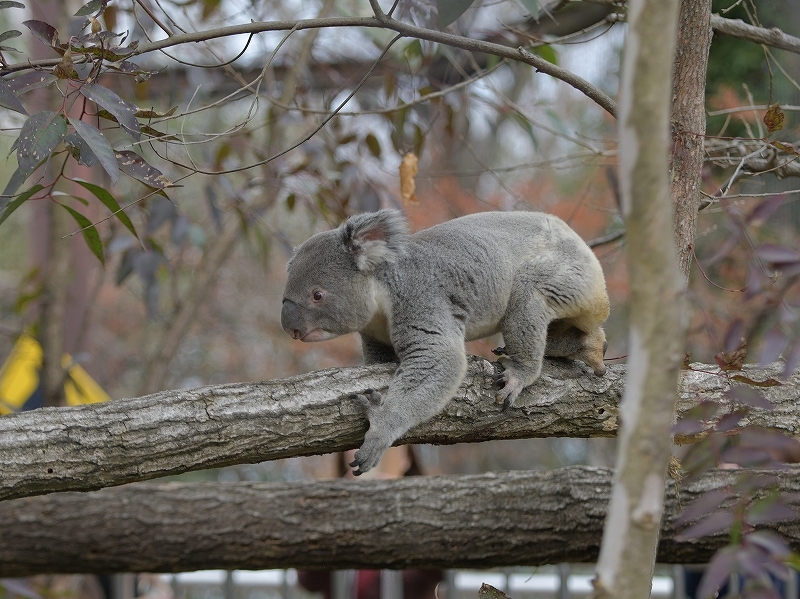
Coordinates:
x,y
408,170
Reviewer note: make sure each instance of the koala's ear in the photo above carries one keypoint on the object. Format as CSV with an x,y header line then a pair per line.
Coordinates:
x,y
375,237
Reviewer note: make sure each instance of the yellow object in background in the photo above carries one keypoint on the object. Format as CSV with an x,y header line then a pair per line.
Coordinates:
x,y
19,378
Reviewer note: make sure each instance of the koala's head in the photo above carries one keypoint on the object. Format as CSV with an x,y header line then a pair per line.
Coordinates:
x,y
330,290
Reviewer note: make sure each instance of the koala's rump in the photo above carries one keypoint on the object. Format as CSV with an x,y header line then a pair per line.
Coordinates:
x,y
481,258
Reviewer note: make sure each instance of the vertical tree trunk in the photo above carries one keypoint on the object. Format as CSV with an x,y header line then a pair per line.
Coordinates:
x,y
630,537
55,282
689,122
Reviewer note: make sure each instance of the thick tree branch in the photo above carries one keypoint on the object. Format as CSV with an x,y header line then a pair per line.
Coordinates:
x,y
429,522
89,447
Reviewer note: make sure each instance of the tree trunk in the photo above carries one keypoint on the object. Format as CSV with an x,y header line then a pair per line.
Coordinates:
x,y
689,123
630,538
481,521
89,447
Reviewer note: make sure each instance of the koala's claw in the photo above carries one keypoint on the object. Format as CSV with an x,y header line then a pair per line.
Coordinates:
x,y
512,381
368,400
369,454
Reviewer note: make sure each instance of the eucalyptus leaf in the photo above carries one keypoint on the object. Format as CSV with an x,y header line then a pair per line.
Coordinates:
x,y
123,111
90,234
9,99
40,135
17,202
108,200
95,139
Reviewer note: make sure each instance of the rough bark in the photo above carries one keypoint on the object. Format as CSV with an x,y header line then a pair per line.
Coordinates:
x,y
630,538
85,448
689,123
481,521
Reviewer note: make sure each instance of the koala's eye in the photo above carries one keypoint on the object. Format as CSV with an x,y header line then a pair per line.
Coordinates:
x,y
318,295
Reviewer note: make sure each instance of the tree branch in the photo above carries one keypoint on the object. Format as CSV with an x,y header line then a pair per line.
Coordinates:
x,y
476,521
773,37
88,447
769,37
385,22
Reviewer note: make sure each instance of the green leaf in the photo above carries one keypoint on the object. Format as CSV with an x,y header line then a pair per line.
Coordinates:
x,y
9,99
209,6
40,135
533,8
14,183
91,7
97,142
90,234
11,33
547,53
123,111
450,10
110,203
135,166
18,202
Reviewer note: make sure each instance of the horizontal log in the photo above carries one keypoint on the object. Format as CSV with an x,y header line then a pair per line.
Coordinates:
x,y
480,521
94,446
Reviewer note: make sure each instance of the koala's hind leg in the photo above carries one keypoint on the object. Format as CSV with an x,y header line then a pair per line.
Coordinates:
x,y
524,331
565,340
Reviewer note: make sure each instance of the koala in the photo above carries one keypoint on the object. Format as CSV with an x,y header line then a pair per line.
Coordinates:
x,y
416,298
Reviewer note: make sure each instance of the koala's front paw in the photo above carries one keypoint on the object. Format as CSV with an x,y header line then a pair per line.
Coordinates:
x,y
370,452
370,400
368,456
513,379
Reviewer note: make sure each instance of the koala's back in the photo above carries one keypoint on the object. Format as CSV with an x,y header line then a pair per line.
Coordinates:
x,y
481,258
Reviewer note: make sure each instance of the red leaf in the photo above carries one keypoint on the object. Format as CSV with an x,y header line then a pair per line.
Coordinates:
x,y
45,33
732,360
703,505
761,213
749,397
770,542
777,254
715,523
734,336
718,571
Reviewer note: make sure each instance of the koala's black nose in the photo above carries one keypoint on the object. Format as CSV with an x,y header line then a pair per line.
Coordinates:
x,y
290,320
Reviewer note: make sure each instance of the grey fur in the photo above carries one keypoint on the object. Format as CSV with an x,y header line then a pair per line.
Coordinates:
x,y
417,298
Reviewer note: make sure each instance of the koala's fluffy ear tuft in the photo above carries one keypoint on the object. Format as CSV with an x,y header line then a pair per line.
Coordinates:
x,y
375,237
